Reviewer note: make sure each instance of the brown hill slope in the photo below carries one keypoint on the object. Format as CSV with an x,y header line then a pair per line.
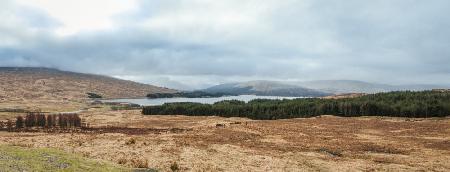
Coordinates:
x,y
26,83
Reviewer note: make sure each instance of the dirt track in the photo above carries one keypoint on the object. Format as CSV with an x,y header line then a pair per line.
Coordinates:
x,y
325,143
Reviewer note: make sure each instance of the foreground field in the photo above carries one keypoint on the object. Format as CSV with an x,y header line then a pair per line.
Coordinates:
x,y
13,158
323,143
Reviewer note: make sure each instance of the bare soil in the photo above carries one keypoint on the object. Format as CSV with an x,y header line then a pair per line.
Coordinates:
x,y
325,143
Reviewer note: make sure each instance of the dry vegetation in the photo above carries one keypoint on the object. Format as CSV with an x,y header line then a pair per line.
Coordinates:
x,y
324,143
53,90
182,143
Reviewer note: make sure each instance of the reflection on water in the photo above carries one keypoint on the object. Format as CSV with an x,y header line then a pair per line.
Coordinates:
x,y
160,101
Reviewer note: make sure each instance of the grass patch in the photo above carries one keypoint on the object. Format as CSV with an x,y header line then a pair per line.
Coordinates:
x,y
14,158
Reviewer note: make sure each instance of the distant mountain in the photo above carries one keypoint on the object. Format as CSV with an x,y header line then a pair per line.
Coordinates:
x,y
312,88
352,86
345,86
28,83
265,88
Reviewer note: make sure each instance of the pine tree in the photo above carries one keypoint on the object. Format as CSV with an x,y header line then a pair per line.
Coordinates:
x,y
19,122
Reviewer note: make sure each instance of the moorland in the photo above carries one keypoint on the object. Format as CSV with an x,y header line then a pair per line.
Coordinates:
x,y
399,131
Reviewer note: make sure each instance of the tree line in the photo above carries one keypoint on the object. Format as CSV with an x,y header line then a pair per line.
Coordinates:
x,y
192,94
94,96
48,121
395,104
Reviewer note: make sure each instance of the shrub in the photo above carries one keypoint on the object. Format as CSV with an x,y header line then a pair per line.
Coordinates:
x,y
139,163
94,96
122,161
337,153
135,162
131,141
174,166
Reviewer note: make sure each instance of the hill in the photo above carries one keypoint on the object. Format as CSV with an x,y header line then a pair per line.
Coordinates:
x,y
19,83
346,86
353,86
313,88
264,88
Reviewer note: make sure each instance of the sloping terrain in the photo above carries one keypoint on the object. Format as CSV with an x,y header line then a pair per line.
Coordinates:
x,y
346,86
353,86
314,88
45,83
265,88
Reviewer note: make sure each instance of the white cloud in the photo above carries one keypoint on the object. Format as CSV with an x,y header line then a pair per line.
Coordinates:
x,y
82,15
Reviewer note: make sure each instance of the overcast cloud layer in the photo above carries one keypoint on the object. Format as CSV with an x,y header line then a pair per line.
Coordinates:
x,y
197,43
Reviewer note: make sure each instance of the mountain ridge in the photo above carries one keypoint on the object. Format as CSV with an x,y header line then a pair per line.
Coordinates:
x,y
356,86
264,88
320,87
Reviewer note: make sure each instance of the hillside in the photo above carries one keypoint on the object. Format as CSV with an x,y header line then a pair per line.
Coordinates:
x,y
50,84
346,86
312,88
353,86
264,88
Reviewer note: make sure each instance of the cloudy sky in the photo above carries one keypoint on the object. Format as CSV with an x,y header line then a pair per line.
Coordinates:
x,y
198,43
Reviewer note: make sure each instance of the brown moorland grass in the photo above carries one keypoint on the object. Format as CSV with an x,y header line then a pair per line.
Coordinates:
x,y
52,90
324,143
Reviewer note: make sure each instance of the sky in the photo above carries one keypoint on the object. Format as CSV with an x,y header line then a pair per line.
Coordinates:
x,y
192,44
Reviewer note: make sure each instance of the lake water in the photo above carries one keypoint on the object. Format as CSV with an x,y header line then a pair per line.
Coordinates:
x,y
160,101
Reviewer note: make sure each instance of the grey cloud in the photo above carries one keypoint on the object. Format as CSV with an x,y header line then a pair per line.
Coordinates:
x,y
404,41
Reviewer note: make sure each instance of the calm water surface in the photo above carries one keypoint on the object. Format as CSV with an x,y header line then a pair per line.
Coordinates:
x,y
160,101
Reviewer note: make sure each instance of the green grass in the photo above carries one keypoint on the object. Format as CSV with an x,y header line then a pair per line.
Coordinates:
x,y
13,158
